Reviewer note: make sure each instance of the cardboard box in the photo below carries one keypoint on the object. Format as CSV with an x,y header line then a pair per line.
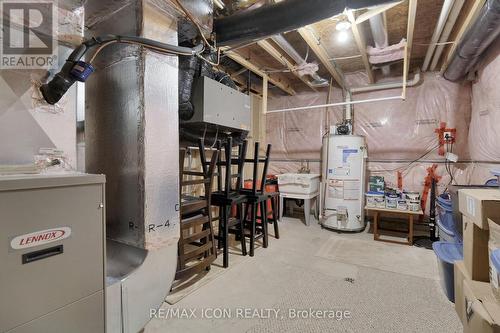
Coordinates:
x,y
481,313
476,258
460,274
494,228
479,205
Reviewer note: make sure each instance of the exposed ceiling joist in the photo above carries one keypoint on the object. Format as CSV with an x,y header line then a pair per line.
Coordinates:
x,y
443,18
280,83
474,11
278,56
242,81
412,11
452,19
375,11
361,43
321,54
239,72
243,84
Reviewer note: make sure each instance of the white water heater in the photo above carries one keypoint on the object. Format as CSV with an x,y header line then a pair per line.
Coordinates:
x,y
343,182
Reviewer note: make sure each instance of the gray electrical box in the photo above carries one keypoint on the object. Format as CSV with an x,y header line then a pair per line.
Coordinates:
x,y
217,104
52,253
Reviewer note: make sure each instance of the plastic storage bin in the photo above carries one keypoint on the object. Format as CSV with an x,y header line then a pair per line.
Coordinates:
x,y
446,235
375,199
446,224
447,254
495,272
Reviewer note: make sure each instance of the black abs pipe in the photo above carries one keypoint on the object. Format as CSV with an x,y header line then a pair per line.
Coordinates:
x,y
281,17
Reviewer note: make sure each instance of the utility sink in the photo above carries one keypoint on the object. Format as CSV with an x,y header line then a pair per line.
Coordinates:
x,y
298,183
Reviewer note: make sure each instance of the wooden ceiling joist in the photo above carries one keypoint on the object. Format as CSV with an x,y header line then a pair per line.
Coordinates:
x,y
280,83
241,80
278,56
239,72
243,85
375,11
321,54
361,43
412,11
474,11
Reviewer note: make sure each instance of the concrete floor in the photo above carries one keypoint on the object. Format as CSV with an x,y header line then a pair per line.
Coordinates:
x,y
356,283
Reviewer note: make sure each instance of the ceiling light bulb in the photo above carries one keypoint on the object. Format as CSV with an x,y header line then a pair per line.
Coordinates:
x,y
342,36
342,25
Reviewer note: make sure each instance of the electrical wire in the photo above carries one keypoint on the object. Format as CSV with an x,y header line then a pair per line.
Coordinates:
x,y
216,137
157,49
418,159
99,49
211,62
192,19
448,165
224,76
405,167
437,44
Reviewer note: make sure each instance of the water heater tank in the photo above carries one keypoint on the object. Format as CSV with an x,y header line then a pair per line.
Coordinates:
x,y
343,182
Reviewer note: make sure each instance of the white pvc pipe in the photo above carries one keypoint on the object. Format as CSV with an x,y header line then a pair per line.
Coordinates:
x,y
348,110
338,104
392,85
443,17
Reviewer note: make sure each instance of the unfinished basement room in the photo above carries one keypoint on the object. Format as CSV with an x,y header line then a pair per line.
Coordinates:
x,y
249,166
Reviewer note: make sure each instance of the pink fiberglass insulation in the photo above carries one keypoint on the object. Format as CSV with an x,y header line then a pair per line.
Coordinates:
x,y
386,54
398,129
484,133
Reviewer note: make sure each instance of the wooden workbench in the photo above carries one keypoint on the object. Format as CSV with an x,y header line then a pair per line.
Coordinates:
x,y
410,214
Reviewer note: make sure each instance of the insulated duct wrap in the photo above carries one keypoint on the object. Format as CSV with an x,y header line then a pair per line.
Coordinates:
x,y
132,136
482,33
187,69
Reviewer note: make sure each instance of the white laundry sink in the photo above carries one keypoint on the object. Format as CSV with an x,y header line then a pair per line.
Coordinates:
x,y
298,183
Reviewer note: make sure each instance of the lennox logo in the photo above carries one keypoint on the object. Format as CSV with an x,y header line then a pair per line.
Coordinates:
x,y
28,34
40,238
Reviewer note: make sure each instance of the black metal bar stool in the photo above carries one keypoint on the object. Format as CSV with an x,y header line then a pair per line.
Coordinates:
x,y
228,196
257,197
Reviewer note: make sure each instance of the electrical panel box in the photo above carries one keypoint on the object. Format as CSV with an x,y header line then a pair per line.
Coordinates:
x,y
218,104
52,250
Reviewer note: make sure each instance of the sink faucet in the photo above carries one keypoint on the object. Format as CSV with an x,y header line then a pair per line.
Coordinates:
x,y
304,168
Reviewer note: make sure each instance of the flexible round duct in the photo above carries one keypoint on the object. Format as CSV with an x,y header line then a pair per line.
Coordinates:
x,y
482,33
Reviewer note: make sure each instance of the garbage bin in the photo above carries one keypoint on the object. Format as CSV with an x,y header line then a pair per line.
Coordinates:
x,y
447,254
